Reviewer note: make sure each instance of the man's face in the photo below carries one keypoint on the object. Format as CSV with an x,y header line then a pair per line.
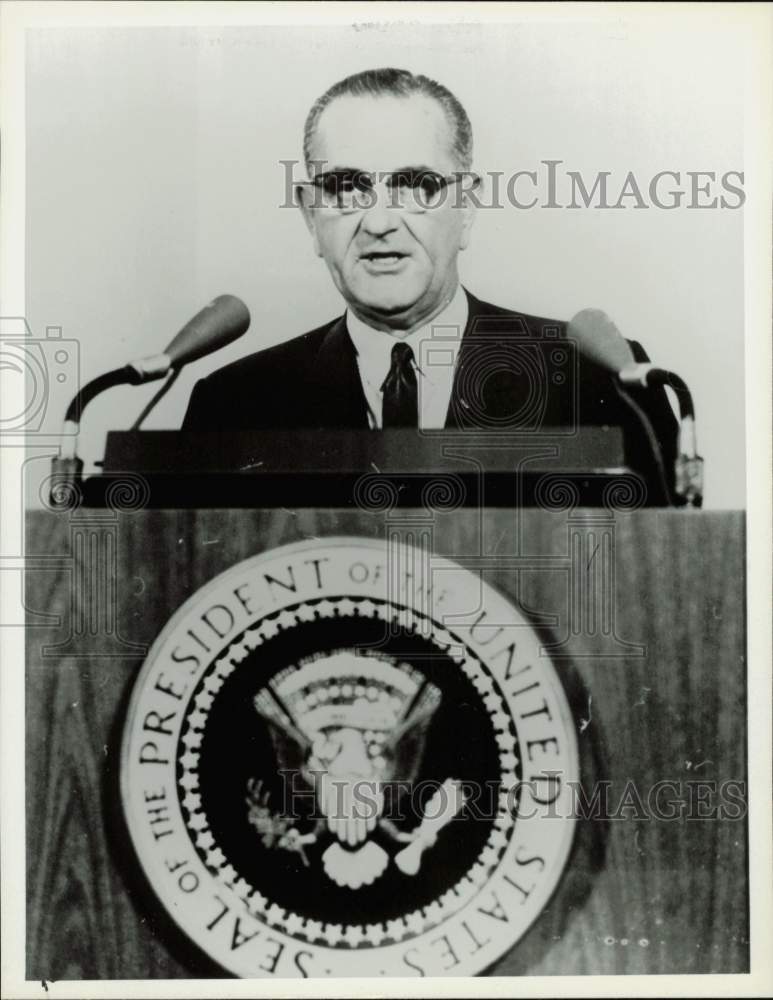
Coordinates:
x,y
396,268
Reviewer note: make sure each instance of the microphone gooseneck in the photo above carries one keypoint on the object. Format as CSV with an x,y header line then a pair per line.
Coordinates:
x,y
601,342
219,323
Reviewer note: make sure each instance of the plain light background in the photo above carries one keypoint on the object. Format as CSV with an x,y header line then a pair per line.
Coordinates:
x,y
154,182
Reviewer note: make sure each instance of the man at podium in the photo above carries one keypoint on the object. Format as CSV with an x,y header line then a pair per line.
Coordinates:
x,y
389,205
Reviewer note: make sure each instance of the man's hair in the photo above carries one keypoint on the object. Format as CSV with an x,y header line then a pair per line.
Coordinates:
x,y
395,83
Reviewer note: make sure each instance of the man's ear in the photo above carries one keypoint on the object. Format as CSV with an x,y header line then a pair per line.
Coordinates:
x,y
305,195
469,206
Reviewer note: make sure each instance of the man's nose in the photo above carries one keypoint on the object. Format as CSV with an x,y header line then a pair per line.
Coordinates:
x,y
379,216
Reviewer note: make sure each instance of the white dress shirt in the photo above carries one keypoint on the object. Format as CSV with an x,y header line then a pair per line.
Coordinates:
x,y
435,350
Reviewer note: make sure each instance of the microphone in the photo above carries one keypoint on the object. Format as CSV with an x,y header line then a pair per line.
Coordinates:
x,y
219,323
600,341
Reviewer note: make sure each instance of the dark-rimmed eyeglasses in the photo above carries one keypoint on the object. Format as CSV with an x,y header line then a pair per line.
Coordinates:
x,y
411,190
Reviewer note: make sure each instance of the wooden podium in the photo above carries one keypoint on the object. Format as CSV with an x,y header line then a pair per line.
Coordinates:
x,y
640,610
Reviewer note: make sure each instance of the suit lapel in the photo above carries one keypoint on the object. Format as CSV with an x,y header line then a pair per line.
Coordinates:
x,y
459,406
494,382
336,394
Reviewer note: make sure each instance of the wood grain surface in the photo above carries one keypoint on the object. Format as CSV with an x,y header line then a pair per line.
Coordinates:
x,y
641,894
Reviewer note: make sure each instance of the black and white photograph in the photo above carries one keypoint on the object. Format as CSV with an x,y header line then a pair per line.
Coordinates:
x,y
385,445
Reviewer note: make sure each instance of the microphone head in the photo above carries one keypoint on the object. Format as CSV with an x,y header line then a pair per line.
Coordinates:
x,y
598,339
222,321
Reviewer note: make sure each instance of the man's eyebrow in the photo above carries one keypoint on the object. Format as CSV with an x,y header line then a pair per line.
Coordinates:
x,y
420,168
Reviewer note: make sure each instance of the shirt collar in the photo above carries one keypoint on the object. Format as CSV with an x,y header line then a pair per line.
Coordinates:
x,y
374,347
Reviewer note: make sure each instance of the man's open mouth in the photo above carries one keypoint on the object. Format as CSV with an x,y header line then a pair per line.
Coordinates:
x,y
387,256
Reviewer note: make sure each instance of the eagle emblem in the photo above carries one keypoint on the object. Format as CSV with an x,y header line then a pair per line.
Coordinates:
x,y
352,727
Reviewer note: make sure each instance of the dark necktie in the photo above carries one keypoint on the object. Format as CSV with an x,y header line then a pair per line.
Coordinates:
x,y
400,405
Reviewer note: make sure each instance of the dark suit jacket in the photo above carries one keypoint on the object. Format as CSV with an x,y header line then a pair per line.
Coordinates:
x,y
515,373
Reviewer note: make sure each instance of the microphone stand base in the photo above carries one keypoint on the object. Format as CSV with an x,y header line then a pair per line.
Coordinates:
x,y
688,484
66,481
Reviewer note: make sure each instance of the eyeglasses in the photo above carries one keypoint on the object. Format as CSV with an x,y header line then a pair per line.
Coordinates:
x,y
411,190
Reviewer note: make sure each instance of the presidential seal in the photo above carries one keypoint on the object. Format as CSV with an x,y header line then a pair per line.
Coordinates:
x,y
346,757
